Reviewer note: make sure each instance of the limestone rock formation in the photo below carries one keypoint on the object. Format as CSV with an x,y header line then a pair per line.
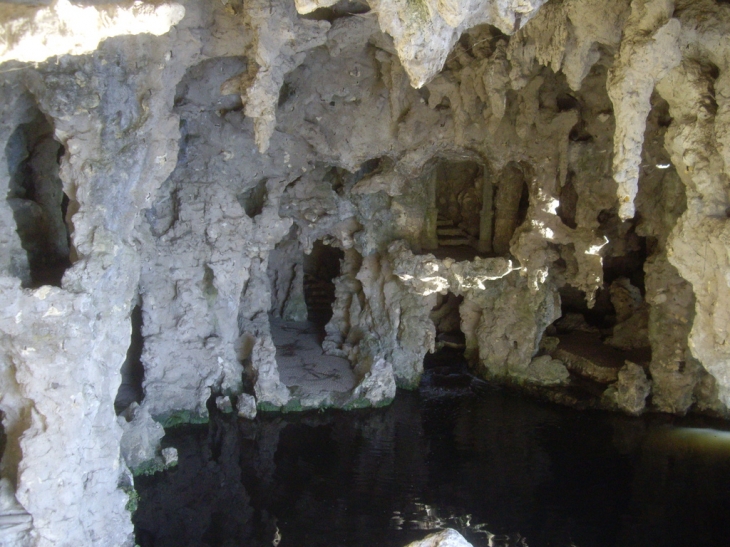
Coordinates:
x,y
631,390
445,538
33,33
184,179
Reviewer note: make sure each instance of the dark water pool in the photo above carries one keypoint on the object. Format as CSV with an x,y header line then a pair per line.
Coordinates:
x,y
497,467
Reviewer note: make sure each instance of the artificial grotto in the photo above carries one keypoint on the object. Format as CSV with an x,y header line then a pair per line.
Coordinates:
x,y
282,205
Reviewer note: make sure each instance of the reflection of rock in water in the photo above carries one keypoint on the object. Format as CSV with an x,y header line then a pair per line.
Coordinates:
x,y
500,470
202,501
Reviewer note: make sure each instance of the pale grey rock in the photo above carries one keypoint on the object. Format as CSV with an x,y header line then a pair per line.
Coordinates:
x,y
246,406
444,538
15,523
650,48
169,456
281,40
377,384
409,282
423,54
33,34
565,36
697,145
546,371
140,442
224,404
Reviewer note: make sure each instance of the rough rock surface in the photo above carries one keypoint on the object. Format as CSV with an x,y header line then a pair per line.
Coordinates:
x,y
140,443
551,153
631,390
444,538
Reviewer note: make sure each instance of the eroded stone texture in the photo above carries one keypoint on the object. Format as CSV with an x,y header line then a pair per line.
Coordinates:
x,y
201,166
445,538
35,33
64,344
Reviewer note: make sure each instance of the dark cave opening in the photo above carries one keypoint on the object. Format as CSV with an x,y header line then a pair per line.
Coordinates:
x,y
132,371
302,299
343,8
568,202
38,202
321,267
447,365
253,199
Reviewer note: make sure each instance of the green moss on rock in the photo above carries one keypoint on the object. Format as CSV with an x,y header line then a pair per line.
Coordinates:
x,y
181,417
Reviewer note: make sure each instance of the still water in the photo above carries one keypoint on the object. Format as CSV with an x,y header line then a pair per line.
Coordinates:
x,y
502,469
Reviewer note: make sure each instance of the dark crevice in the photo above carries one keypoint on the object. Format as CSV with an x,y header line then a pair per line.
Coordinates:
x,y
445,104
285,93
38,202
566,102
321,267
131,390
524,204
254,199
336,177
568,202
579,133
343,8
373,166
630,264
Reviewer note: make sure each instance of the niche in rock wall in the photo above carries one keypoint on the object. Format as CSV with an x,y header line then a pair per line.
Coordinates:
x,y
459,220
568,202
286,278
623,272
321,267
303,366
595,343
253,199
447,364
38,202
130,390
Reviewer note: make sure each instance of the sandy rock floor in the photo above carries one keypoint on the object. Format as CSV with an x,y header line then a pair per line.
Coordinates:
x,y
303,366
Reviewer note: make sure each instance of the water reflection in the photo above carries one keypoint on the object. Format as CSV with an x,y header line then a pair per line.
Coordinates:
x,y
502,470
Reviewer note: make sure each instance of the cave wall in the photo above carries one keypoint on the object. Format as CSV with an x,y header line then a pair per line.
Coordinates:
x,y
189,147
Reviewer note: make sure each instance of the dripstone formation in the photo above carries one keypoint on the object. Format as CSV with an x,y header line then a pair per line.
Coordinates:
x,y
285,205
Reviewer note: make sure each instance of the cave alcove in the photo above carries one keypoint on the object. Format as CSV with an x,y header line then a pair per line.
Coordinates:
x,y
321,267
447,365
37,200
302,296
